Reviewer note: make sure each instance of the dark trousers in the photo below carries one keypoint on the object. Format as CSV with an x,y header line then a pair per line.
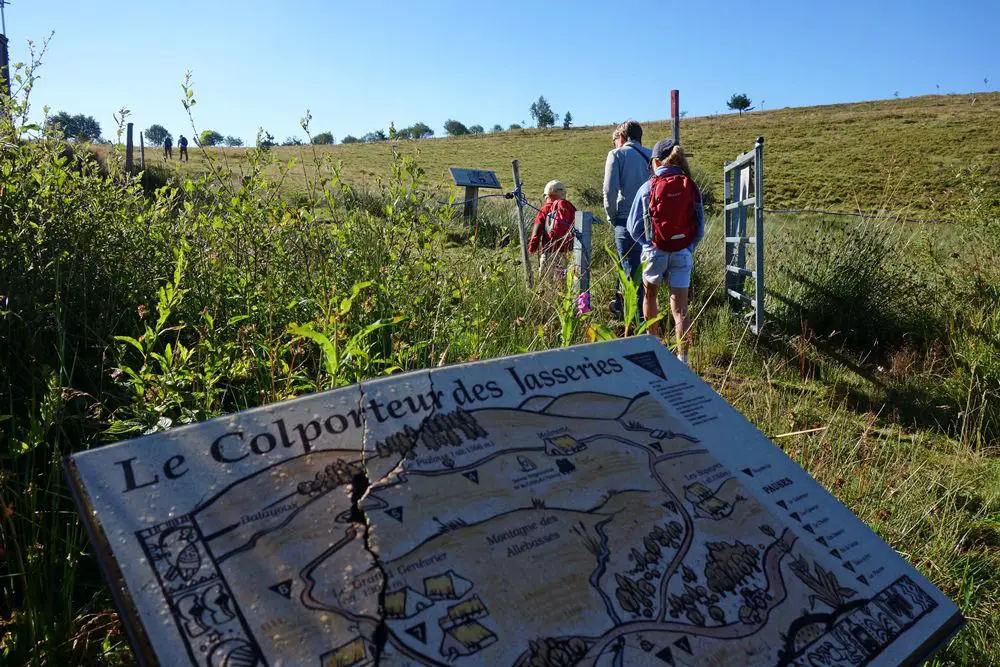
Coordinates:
x,y
629,253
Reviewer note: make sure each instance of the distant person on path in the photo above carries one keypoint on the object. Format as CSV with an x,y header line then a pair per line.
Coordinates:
x,y
668,219
552,232
182,143
625,170
168,148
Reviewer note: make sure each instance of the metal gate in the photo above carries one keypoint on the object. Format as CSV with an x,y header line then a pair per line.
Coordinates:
x,y
738,175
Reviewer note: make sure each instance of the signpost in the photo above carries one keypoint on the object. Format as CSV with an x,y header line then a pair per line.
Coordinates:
x,y
675,114
407,520
473,179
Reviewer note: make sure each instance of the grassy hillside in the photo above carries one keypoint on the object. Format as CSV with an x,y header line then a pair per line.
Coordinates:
x,y
124,311
902,155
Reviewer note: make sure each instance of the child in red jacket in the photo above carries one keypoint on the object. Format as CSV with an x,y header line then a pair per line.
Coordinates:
x,y
552,233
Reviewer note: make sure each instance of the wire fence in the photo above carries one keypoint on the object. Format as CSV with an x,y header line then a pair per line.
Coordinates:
x,y
882,216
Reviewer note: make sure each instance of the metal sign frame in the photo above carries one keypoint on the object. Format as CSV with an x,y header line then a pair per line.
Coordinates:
x,y
737,176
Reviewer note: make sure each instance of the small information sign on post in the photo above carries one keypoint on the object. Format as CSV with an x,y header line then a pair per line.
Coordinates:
x,y
472,180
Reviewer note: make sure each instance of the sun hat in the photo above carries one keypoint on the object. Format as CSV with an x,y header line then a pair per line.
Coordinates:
x,y
554,186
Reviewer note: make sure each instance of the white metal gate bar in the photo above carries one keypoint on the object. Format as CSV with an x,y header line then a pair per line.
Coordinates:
x,y
736,177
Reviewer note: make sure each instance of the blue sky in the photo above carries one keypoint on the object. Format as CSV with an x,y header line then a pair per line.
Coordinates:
x,y
359,65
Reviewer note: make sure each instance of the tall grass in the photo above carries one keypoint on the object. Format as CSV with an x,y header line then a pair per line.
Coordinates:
x,y
127,309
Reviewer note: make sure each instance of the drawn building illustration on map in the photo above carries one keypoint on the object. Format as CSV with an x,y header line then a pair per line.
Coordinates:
x,y
621,515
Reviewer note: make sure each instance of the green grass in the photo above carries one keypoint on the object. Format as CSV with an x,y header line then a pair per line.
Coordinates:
x,y
902,154
890,401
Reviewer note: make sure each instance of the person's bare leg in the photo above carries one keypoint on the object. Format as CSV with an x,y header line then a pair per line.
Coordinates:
x,y
650,309
679,309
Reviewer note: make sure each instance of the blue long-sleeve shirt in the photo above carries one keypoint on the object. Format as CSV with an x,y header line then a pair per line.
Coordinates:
x,y
637,215
624,171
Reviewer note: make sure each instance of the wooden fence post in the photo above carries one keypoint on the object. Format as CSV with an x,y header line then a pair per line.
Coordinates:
x,y
581,251
521,230
142,153
128,149
675,113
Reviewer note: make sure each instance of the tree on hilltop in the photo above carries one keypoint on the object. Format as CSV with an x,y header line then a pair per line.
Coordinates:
x,y
210,138
567,120
323,138
455,128
79,127
739,102
233,142
476,129
541,112
350,139
156,135
264,138
497,128
420,131
513,126
374,137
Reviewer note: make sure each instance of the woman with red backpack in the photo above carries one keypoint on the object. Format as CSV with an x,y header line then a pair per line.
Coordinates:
x,y
552,233
668,218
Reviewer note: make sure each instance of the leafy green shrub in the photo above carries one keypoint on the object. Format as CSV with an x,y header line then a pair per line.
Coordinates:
x,y
155,177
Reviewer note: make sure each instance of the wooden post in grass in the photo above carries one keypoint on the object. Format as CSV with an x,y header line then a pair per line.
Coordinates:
x,y
675,114
581,251
142,153
521,230
471,205
128,149
4,62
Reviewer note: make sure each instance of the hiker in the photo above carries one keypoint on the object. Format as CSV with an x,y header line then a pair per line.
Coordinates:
x,y
668,219
626,168
168,148
182,143
552,232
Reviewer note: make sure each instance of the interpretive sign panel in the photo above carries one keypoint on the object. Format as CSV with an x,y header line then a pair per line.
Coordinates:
x,y
475,178
597,505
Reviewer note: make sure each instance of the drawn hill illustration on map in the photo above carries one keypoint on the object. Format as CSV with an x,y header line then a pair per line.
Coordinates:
x,y
598,506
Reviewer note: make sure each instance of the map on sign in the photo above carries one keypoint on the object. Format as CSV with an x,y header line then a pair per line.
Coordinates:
x,y
597,505
475,178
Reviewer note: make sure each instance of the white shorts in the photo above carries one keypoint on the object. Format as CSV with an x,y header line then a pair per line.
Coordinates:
x,y
676,266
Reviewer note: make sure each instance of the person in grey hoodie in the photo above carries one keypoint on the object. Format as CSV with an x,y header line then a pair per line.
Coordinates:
x,y
625,170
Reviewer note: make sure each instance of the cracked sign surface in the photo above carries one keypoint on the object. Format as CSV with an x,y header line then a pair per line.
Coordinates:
x,y
598,505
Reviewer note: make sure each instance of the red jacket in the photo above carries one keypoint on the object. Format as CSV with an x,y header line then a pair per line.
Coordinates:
x,y
560,238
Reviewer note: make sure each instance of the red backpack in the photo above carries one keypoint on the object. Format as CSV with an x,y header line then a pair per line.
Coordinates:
x,y
671,211
560,220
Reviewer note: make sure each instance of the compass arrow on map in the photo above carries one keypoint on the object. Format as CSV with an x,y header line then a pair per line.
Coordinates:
x,y
472,476
284,589
396,513
684,645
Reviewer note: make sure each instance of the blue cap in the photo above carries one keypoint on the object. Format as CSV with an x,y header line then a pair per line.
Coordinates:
x,y
662,148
